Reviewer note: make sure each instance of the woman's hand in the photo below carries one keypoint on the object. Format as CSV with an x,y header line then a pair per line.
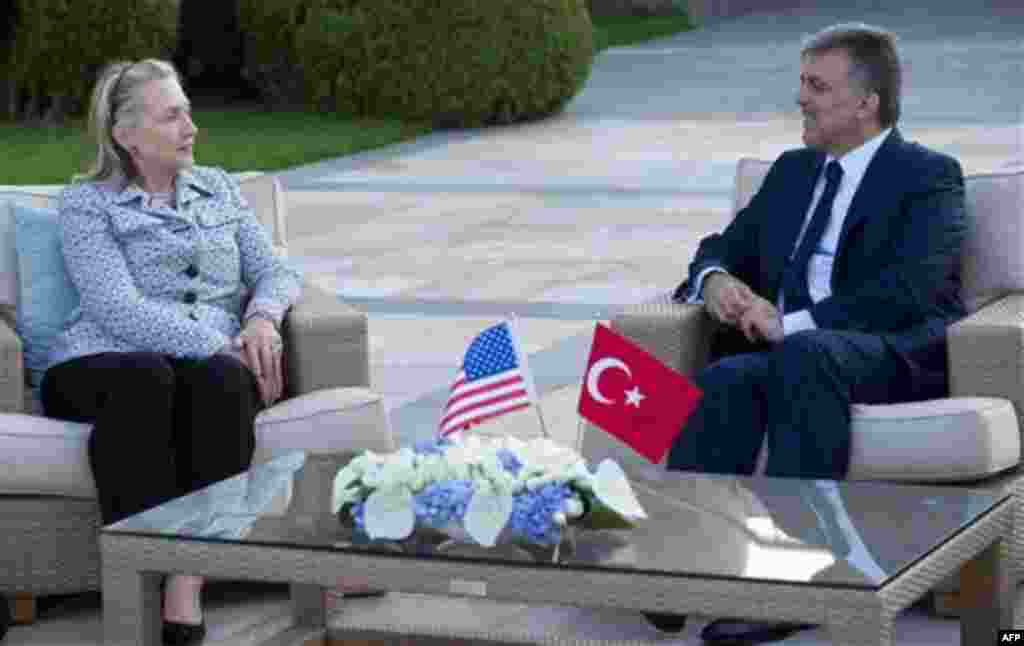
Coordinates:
x,y
260,348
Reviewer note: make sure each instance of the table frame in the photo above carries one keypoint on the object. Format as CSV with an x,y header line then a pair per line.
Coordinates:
x,y
133,566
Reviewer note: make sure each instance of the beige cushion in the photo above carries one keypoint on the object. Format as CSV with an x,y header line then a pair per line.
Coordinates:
x,y
324,421
44,456
942,440
993,259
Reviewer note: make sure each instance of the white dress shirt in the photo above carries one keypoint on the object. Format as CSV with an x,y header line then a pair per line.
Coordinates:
x,y
819,267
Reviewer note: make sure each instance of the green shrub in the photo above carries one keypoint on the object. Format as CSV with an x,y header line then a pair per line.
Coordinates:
x,y
59,46
271,66
449,62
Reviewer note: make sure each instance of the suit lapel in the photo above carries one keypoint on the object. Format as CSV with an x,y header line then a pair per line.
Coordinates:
x,y
874,186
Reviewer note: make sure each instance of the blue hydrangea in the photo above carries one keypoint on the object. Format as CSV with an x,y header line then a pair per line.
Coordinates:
x,y
533,511
356,511
432,446
441,503
510,461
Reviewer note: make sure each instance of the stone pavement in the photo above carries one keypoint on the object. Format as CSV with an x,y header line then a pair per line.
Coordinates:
x,y
563,221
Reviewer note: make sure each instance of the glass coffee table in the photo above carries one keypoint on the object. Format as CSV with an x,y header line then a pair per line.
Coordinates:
x,y
848,555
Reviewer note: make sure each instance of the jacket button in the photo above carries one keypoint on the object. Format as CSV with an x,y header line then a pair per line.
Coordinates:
x,y
190,297
192,271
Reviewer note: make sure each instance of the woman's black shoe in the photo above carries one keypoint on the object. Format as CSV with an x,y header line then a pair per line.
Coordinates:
x,y
666,622
737,632
175,634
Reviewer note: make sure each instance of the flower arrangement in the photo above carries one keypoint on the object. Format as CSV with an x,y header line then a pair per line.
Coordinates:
x,y
490,489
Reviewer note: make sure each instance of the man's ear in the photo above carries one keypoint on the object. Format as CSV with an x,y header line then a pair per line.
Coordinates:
x,y
870,105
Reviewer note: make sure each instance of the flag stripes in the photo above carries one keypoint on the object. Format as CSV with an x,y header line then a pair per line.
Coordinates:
x,y
493,381
473,402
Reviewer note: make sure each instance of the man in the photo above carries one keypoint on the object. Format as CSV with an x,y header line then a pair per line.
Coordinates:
x,y
834,285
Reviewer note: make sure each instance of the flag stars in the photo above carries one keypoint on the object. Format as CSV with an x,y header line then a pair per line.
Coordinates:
x,y
634,397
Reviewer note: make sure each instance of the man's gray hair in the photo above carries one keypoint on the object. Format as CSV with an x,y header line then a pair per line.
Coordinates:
x,y
874,62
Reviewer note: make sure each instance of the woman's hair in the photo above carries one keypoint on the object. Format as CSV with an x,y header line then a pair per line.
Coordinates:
x,y
117,99
874,62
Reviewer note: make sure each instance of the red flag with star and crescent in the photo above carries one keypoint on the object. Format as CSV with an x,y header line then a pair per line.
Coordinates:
x,y
630,394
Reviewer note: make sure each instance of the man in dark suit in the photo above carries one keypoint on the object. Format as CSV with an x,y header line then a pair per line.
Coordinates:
x,y
834,285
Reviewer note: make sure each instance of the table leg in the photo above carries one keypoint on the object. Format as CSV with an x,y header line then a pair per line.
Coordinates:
x,y
131,606
985,589
309,608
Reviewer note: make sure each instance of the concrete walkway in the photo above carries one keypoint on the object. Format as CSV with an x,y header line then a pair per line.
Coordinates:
x,y
563,221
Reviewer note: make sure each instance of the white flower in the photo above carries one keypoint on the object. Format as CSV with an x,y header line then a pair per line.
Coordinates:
x,y
399,471
388,483
544,456
573,507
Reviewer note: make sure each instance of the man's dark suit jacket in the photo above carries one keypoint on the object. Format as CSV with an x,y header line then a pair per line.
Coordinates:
x,y
897,266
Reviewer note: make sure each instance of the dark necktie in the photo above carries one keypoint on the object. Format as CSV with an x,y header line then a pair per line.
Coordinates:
x,y
794,276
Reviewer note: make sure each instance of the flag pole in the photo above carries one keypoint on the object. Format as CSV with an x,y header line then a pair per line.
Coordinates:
x,y
540,416
531,387
579,435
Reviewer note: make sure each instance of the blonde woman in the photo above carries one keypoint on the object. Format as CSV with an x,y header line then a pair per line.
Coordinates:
x,y
175,345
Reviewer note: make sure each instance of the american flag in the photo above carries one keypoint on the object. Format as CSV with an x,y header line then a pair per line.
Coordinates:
x,y
494,380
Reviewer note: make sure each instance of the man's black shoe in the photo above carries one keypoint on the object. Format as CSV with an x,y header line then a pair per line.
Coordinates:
x,y
666,622
738,632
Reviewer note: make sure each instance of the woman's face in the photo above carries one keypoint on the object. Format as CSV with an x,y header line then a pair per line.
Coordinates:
x,y
163,138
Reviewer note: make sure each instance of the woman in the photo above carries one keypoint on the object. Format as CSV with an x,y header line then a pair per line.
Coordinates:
x,y
175,345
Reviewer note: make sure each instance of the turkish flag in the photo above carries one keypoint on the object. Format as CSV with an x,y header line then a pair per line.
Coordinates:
x,y
632,395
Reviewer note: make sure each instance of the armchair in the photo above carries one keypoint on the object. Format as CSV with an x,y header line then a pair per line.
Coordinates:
x,y
48,513
974,436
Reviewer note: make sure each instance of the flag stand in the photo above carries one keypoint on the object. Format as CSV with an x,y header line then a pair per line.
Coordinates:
x,y
540,416
579,435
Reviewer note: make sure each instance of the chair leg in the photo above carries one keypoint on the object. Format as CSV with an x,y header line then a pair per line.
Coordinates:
x,y
23,609
948,604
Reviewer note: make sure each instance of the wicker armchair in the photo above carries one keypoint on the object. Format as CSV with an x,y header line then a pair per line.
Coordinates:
x,y
48,513
971,438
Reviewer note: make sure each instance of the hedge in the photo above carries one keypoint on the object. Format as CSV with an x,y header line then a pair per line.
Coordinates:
x,y
450,62
59,46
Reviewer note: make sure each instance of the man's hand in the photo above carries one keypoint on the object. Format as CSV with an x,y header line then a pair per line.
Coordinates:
x,y
727,298
762,322
259,347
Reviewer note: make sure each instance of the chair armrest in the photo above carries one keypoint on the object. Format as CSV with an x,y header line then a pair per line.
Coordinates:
x,y
12,370
678,334
326,343
986,352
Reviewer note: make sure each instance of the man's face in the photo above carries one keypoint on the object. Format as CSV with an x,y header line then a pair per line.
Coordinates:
x,y
837,116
